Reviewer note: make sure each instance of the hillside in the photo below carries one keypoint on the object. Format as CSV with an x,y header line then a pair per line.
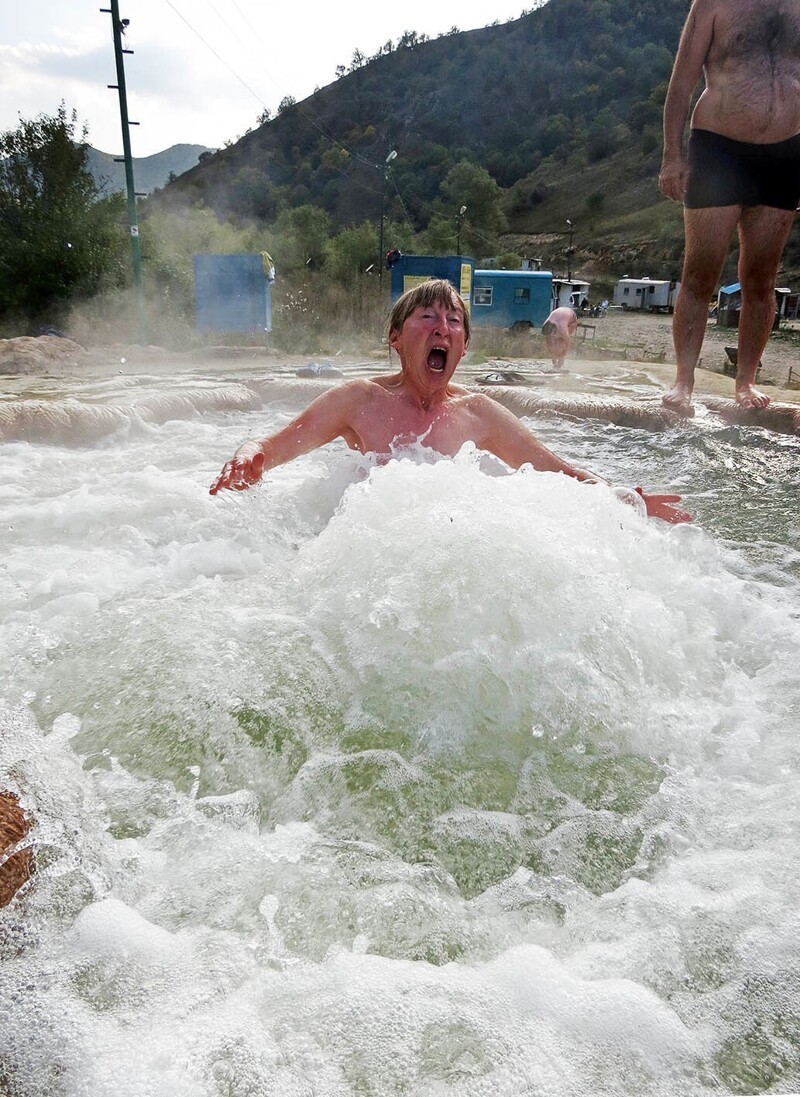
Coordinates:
x,y
562,106
150,172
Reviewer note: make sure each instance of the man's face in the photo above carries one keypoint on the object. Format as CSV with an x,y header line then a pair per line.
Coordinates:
x,y
431,343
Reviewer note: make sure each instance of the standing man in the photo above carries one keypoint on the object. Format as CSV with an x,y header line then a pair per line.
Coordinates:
x,y
558,329
742,171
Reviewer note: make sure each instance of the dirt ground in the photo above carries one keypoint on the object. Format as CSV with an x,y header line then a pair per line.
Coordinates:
x,y
627,353
631,355
647,337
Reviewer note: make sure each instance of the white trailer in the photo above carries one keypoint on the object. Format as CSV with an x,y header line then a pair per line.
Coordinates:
x,y
649,294
572,292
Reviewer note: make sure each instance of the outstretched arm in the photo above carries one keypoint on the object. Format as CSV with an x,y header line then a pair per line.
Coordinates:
x,y
664,507
507,438
328,417
695,43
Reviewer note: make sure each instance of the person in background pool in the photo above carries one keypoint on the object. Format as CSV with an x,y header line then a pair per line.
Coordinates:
x,y
429,329
558,329
741,171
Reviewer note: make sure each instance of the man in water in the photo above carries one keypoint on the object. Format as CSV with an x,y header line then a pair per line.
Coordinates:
x,y
429,329
742,170
558,329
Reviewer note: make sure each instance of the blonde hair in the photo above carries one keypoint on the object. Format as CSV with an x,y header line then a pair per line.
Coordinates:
x,y
436,291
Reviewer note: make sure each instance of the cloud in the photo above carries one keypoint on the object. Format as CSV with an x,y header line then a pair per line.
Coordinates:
x,y
199,73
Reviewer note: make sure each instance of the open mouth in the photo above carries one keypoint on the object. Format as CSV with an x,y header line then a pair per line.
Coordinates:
x,y
437,359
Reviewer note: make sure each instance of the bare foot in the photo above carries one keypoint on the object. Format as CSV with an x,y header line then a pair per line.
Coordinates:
x,y
679,400
749,397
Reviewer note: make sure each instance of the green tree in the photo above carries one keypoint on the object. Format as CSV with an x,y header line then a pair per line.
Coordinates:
x,y
59,241
171,240
509,260
302,238
602,135
353,250
470,185
440,237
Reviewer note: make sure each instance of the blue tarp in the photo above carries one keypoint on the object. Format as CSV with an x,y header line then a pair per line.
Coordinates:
x,y
232,294
734,287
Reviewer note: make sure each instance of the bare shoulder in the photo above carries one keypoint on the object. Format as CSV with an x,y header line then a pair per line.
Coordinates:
x,y
487,410
357,391
385,382
708,9
458,390
704,13
480,400
339,403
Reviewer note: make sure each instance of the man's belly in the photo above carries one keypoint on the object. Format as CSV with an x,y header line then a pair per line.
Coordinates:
x,y
753,110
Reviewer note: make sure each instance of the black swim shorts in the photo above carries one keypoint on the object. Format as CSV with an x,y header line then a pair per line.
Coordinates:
x,y
724,172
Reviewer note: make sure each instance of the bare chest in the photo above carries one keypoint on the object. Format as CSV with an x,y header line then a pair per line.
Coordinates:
x,y
761,34
391,424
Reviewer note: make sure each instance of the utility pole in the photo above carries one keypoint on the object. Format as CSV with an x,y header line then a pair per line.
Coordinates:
x,y
383,168
570,249
118,27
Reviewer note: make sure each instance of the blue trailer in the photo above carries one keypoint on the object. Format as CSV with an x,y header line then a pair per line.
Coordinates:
x,y
511,298
409,271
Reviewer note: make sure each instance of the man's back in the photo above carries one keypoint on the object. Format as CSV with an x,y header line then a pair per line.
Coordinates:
x,y
752,68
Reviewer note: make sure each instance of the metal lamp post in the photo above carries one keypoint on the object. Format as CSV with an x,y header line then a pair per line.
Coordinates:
x,y
383,169
459,219
570,249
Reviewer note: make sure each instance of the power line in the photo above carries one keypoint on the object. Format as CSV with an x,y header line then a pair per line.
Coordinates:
x,y
250,25
218,57
304,113
225,23
310,118
402,203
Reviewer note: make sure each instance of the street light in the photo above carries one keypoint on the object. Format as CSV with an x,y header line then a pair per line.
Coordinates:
x,y
383,169
459,219
570,249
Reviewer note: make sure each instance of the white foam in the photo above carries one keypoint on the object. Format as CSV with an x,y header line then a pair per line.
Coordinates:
x,y
402,779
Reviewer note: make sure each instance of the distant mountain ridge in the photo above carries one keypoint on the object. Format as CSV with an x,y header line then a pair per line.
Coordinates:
x,y
149,172
562,106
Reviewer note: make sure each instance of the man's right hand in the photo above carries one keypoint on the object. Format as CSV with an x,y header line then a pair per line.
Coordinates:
x,y
672,178
244,468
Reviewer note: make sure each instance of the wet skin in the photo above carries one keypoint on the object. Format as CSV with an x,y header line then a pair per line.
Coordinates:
x,y
749,53
418,404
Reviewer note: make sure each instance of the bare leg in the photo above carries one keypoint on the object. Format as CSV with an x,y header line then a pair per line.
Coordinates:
x,y
762,235
708,233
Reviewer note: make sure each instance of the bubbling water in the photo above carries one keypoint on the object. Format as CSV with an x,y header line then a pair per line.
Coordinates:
x,y
420,778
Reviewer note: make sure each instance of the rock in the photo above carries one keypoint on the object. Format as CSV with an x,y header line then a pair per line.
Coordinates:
x,y
14,825
38,354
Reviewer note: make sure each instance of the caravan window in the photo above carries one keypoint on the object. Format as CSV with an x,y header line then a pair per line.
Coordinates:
x,y
482,295
522,295
626,291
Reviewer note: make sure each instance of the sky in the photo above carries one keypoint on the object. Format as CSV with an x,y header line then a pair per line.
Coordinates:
x,y
202,71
